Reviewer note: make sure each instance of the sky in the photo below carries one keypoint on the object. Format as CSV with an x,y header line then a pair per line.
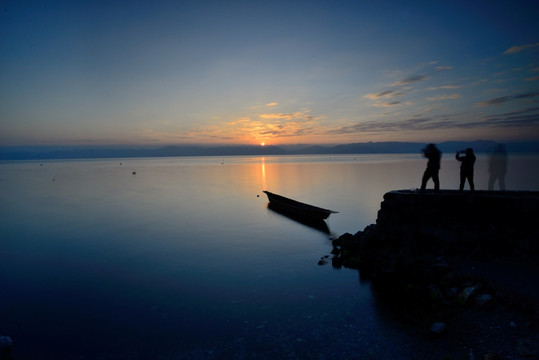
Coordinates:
x,y
273,72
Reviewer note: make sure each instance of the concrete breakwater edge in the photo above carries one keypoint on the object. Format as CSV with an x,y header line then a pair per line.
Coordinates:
x,y
461,267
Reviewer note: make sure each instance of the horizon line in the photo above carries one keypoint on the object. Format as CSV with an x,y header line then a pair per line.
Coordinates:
x,y
21,153
212,145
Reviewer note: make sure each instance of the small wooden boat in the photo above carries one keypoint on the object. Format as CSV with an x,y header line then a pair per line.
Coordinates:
x,y
297,208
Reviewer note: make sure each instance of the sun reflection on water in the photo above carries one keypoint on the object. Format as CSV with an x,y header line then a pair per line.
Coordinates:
x,y
264,183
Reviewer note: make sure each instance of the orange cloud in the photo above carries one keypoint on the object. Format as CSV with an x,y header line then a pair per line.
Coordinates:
x,y
259,128
289,116
383,94
517,49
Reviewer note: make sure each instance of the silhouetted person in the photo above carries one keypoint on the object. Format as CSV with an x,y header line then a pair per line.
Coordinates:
x,y
434,155
497,167
466,167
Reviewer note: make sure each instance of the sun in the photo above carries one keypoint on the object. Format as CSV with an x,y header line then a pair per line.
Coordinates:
x,y
262,144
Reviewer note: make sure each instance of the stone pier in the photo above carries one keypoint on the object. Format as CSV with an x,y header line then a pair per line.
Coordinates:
x,y
453,221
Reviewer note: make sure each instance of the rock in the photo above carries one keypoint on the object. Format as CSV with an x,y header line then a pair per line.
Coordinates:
x,y
323,260
5,342
526,348
440,266
336,262
437,328
5,348
434,292
482,300
492,356
352,262
465,294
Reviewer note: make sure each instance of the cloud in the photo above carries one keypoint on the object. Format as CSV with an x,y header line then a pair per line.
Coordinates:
x,y
479,82
386,104
495,101
387,93
272,104
535,78
452,87
517,49
410,80
439,68
520,118
260,127
421,123
523,118
526,95
445,97
270,125
378,95
504,99
289,116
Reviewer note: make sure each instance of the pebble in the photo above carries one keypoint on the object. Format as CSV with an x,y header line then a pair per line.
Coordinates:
x,y
437,327
483,299
5,342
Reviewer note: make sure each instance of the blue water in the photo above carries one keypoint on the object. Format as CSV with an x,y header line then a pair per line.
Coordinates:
x,y
183,259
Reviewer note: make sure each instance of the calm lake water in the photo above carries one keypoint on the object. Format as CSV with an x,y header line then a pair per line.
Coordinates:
x,y
184,260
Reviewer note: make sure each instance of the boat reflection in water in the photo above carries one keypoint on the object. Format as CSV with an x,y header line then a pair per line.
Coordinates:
x,y
305,214
319,225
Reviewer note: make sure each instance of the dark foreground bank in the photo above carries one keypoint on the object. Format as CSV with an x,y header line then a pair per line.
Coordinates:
x,y
460,267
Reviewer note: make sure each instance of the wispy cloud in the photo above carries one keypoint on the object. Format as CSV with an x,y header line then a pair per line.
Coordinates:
x,y
523,118
444,97
520,118
272,104
495,101
386,104
517,49
387,93
289,116
421,123
451,87
526,95
504,99
479,82
440,68
269,125
535,78
410,80
243,130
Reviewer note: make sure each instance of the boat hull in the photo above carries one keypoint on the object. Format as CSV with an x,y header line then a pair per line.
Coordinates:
x,y
296,208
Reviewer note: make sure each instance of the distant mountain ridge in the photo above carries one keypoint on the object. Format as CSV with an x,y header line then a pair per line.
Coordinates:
x,y
73,152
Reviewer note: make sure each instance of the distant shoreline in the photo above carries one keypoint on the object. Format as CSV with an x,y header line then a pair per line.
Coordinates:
x,y
15,153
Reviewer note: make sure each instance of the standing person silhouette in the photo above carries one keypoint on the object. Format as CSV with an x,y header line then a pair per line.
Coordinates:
x,y
497,167
466,167
434,155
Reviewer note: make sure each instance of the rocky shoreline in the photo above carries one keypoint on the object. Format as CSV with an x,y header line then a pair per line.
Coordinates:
x,y
461,267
